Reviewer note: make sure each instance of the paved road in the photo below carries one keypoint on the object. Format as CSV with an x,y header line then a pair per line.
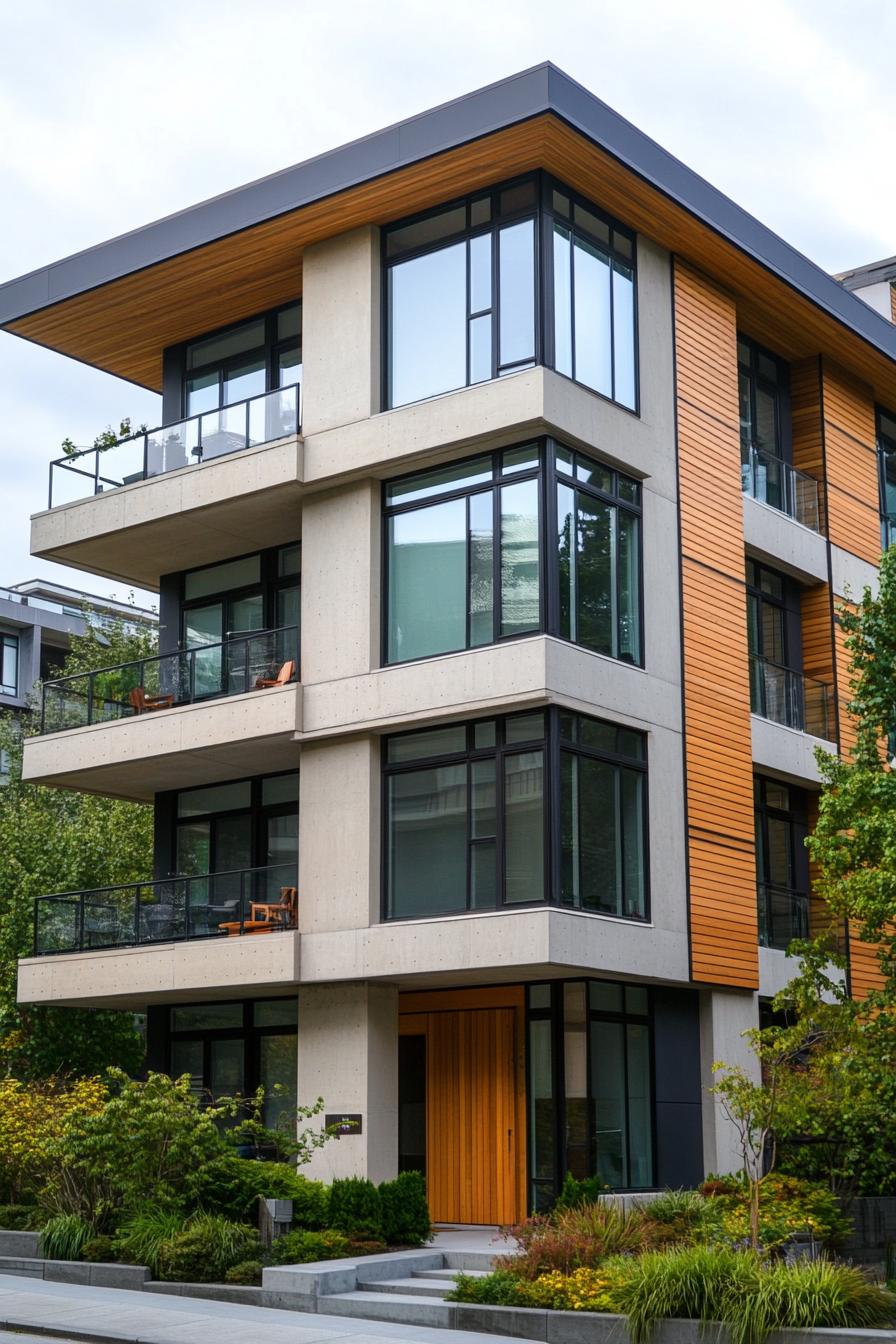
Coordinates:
x,y
125,1317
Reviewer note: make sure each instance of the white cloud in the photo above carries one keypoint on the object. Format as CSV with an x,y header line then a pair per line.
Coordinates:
x,y
115,114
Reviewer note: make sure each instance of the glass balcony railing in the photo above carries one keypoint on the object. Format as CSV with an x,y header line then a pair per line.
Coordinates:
x,y
771,480
250,662
790,698
783,916
214,905
887,530
245,424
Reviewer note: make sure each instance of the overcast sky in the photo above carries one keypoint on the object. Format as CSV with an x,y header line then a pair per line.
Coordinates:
x,y
114,113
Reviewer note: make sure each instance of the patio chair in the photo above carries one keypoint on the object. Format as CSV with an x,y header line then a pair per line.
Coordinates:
x,y
286,674
141,703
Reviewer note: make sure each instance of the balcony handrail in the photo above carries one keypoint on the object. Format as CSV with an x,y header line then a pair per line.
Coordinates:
x,y
66,462
798,901
64,685
87,899
791,475
805,704
791,671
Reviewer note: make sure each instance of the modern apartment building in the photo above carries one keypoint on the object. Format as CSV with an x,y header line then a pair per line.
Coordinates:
x,y
508,479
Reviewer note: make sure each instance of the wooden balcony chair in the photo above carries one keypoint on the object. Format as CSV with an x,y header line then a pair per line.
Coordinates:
x,y
286,674
141,703
281,915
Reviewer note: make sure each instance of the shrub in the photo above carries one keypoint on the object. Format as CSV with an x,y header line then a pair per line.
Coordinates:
x,y
405,1212
205,1248
31,1117
355,1208
306,1248
583,1290
686,1215
63,1237
577,1238
20,1217
574,1194
99,1250
232,1186
141,1237
247,1272
787,1205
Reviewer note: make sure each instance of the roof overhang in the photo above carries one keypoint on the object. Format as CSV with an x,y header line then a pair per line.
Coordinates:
x,y
118,305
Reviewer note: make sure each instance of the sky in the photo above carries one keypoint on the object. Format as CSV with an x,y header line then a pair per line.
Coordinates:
x,y
113,114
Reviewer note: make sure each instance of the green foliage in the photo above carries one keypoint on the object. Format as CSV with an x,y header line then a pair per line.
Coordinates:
x,y
107,438
99,1250
57,840
205,1248
500,1289
356,1209
405,1212
686,1214
64,1237
310,1203
32,1116
582,1290
574,1194
142,1235
581,1238
247,1273
20,1218
306,1248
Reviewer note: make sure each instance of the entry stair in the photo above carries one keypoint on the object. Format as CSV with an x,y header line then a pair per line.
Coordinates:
x,y
408,1288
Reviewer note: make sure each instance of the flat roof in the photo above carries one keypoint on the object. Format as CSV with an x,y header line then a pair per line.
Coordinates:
x,y
541,89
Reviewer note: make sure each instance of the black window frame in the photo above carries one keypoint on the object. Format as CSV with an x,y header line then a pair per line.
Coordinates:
x,y
270,349
780,389
269,585
248,1032
553,1012
544,214
551,743
9,640
257,811
886,447
549,475
795,816
787,604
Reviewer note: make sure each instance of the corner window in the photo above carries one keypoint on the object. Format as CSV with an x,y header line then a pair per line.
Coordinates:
x,y
9,665
467,820
474,556
463,285
886,449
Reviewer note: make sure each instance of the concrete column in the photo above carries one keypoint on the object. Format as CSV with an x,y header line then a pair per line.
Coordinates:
x,y
348,1054
341,330
724,1017
339,829
341,582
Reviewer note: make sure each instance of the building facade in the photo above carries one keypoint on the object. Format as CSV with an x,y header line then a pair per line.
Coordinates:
x,y
508,481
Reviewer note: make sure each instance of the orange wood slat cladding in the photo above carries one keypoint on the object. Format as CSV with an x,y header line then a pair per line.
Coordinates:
x,y
850,443
718,752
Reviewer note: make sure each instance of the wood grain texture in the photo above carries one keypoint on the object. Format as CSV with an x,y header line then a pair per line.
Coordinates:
x,y
124,325
850,445
718,749
475,1101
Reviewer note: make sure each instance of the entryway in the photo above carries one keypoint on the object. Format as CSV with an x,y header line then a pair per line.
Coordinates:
x,y
462,1101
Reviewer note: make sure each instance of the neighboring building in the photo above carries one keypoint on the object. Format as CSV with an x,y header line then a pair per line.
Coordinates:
x,y
584,457
37,622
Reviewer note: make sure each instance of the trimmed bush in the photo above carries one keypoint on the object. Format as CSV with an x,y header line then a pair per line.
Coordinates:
x,y
205,1248
21,1218
99,1250
576,1194
306,1248
310,1203
64,1237
405,1212
356,1209
247,1272
233,1185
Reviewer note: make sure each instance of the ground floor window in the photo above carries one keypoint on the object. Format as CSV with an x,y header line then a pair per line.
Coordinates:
x,y
234,1048
589,1086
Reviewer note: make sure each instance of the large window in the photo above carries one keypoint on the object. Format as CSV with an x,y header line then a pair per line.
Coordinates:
x,y
463,287
243,361
230,1049
764,395
9,665
886,447
782,864
590,1086
471,820
532,538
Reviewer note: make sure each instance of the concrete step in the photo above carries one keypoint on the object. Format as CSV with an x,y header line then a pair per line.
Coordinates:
x,y
429,1286
400,1308
450,1273
467,1261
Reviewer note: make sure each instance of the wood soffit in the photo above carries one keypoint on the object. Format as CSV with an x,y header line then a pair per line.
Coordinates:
x,y
123,326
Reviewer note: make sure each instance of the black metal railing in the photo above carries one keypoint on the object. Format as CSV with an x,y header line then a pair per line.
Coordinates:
x,y
887,530
790,698
783,915
771,480
167,679
214,905
199,438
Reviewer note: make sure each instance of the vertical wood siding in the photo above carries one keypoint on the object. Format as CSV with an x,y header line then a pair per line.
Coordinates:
x,y
718,750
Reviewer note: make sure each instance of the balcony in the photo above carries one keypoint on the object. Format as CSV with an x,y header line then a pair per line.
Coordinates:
x,y
244,902
791,699
783,916
201,438
770,480
234,667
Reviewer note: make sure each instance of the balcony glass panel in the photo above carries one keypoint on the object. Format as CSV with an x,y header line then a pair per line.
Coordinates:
x,y
789,698
770,480
783,916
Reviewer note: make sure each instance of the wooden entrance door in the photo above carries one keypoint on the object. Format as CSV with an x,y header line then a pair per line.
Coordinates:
x,y
475,1107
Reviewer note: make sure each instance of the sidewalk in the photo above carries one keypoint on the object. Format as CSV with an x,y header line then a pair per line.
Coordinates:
x,y
119,1316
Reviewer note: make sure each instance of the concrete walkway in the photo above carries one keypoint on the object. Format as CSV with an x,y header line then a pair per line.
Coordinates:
x,y
119,1316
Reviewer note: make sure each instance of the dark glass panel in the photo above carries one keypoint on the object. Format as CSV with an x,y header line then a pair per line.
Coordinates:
x,y
428,841
428,581
524,827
